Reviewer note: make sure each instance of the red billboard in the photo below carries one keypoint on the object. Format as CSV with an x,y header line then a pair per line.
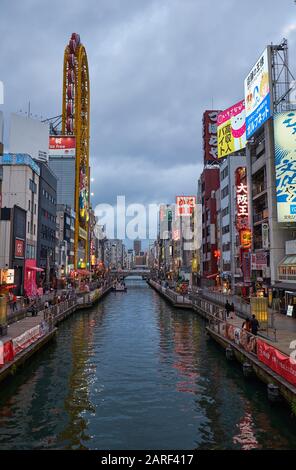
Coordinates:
x,y
185,205
277,361
210,143
19,248
62,145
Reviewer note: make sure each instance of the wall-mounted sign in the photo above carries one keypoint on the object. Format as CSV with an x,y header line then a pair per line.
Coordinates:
x,y
19,159
245,238
285,167
265,236
210,144
231,129
242,201
6,276
62,146
82,233
185,205
258,95
19,248
258,261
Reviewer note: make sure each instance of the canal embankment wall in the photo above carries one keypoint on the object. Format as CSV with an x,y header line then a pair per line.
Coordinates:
x,y
28,335
259,357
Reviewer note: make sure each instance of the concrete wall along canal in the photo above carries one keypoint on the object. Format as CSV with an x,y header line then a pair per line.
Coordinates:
x,y
258,356
26,336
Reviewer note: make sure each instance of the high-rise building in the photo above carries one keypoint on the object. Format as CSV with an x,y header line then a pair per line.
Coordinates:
x,y
46,240
20,188
209,184
137,247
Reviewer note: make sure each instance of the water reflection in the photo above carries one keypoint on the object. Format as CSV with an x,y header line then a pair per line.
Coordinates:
x,y
134,373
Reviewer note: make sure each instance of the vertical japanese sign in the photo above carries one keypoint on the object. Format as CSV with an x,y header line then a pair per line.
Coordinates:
x,y
258,94
285,165
231,129
210,144
242,202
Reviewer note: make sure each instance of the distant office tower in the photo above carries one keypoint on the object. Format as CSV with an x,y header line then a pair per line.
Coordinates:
x,y
137,247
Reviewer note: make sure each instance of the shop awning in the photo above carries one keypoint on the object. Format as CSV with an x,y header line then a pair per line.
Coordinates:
x,y
285,286
34,268
289,260
212,275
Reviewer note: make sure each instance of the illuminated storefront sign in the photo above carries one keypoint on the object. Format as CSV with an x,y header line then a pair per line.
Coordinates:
x,y
6,276
185,205
245,238
210,136
231,129
258,95
242,202
285,165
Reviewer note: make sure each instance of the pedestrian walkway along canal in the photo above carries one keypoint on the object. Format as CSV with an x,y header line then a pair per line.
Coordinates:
x,y
133,373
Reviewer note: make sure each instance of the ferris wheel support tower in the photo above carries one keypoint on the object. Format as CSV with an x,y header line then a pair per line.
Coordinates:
x,y
75,122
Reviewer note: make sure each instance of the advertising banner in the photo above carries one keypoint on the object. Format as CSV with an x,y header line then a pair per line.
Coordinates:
x,y
185,205
242,338
6,352
285,165
27,338
210,136
277,361
245,237
6,276
265,236
231,129
19,248
258,261
62,146
258,95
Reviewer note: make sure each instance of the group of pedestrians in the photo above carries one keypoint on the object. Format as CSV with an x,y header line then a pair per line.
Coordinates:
x,y
250,324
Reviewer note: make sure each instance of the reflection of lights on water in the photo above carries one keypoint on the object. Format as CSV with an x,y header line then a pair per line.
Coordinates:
x,y
246,437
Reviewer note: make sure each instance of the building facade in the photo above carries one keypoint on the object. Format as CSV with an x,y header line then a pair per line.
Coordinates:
x,y
20,187
46,240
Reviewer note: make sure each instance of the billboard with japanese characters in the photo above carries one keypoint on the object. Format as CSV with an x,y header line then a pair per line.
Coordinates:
x,y
285,165
185,205
210,136
231,129
258,94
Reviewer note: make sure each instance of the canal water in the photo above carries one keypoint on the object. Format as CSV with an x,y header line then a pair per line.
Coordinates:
x,y
134,373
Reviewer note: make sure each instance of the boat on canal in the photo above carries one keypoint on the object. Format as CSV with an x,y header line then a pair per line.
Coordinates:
x,y
119,287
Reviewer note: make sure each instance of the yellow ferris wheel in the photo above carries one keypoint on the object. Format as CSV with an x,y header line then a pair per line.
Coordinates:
x,y
75,122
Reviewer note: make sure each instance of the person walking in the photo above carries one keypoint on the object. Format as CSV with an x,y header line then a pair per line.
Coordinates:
x,y
232,308
227,308
254,325
14,304
247,325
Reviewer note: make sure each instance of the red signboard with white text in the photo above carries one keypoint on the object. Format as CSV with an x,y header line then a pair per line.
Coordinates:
x,y
62,146
185,205
19,248
277,361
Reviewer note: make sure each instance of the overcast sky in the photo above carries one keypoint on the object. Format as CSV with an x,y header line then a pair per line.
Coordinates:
x,y
155,66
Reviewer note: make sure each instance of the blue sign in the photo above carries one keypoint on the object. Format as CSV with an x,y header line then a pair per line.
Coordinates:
x,y
258,117
19,159
258,95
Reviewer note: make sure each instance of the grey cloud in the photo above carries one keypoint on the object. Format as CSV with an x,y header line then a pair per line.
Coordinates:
x,y
155,66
